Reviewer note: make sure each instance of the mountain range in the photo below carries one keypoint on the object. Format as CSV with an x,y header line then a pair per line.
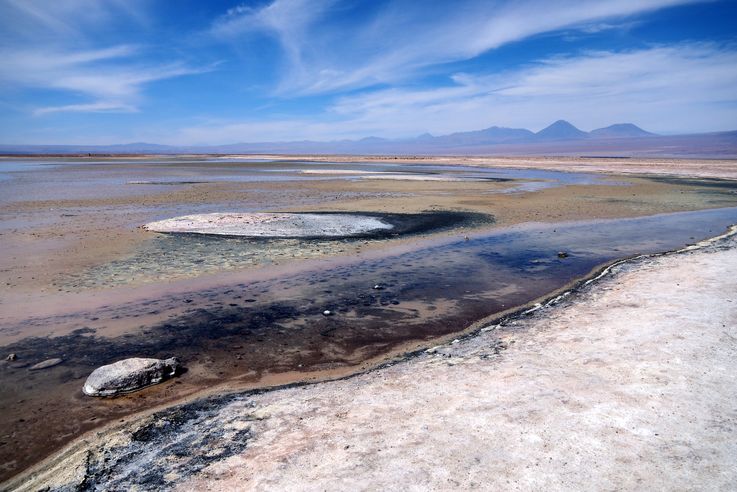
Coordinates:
x,y
560,138
560,130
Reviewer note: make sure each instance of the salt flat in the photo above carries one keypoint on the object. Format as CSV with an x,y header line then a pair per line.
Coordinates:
x,y
630,386
271,224
626,384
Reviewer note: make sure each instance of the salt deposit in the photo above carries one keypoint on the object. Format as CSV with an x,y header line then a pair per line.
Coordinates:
x,y
291,225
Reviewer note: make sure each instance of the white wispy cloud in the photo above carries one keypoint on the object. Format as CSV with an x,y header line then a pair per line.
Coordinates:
x,y
668,88
681,88
290,22
51,45
97,107
40,20
359,69
108,76
406,36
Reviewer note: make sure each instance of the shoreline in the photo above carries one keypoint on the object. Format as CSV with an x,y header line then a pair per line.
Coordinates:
x,y
683,166
500,323
571,202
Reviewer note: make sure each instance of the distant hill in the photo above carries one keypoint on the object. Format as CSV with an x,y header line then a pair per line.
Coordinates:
x,y
561,130
560,138
491,135
620,130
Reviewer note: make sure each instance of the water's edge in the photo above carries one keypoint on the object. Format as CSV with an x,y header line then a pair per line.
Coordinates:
x,y
499,321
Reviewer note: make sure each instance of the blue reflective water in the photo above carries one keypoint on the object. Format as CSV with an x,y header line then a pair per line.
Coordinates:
x,y
10,167
186,172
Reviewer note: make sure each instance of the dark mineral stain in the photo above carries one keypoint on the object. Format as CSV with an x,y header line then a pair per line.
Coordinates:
x,y
170,444
713,183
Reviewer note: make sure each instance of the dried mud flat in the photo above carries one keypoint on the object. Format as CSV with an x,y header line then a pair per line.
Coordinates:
x,y
627,383
315,225
271,225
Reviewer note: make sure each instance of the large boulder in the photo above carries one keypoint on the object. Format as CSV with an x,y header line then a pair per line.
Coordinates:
x,y
129,375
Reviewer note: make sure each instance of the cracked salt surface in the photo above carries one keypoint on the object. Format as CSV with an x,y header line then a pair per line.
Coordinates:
x,y
287,225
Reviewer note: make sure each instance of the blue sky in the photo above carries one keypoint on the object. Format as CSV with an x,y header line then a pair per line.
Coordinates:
x,y
197,72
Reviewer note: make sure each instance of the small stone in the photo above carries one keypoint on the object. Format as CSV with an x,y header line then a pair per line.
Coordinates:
x,y
378,287
129,375
11,357
327,312
46,364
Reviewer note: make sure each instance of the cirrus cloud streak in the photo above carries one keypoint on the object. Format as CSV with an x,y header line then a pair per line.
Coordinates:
x,y
670,88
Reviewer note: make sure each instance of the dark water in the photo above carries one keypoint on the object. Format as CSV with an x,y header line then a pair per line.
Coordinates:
x,y
279,325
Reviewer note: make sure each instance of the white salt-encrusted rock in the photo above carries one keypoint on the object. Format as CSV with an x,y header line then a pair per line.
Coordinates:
x,y
292,225
129,375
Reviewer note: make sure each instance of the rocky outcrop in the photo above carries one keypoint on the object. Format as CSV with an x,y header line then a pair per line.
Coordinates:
x,y
129,375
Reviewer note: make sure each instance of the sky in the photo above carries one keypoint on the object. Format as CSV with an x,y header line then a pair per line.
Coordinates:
x,y
191,72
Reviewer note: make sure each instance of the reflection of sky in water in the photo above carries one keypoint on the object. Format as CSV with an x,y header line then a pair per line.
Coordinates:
x,y
8,167
44,179
293,172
